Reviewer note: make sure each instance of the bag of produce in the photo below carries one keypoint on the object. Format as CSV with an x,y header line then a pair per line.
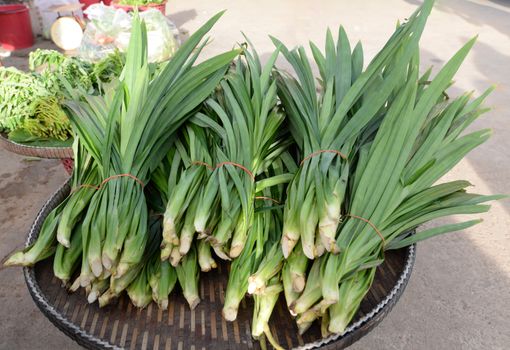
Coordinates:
x,y
110,29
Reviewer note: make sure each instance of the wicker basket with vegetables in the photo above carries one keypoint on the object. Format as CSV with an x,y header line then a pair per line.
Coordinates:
x,y
32,118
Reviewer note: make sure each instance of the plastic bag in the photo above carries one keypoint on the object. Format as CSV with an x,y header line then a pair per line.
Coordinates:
x,y
110,29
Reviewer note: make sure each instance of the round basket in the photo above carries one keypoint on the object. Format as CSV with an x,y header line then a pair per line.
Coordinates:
x,y
122,325
34,151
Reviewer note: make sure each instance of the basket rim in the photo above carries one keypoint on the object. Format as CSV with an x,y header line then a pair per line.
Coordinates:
x,y
34,151
371,319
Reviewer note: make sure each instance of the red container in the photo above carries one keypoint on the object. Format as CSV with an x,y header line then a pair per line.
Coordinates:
x,y
87,3
15,27
160,7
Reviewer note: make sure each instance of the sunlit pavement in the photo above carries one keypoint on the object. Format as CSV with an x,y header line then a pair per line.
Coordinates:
x,y
458,296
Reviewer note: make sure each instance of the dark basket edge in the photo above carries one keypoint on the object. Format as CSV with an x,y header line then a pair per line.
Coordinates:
x,y
368,322
350,336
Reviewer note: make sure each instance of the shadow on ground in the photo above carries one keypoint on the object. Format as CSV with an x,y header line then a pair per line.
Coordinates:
x,y
476,13
459,284
180,18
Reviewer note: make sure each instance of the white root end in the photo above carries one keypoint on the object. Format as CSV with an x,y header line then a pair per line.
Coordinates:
x,y
288,244
251,288
205,268
229,314
185,244
298,282
92,297
63,240
76,284
327,235
328,224
255,285
139,303
200,225
16,259
319,248
97,267
106,261
204,264
85,281
168,229
236,250
122,268
165,252
220,253
309,316
175,257
257,330
106,298
207,265
309,250
193,301
337,325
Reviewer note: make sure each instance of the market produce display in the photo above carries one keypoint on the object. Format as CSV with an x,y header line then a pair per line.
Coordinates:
x,y
31,103
300,188
139,2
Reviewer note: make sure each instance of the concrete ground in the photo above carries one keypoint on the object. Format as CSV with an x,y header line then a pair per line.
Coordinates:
x,y
458,296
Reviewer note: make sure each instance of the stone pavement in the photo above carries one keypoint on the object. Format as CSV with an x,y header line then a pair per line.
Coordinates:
x,y
458,296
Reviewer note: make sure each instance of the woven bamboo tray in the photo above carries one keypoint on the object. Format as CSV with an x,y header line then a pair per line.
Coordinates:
x,y
124,326
35,151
